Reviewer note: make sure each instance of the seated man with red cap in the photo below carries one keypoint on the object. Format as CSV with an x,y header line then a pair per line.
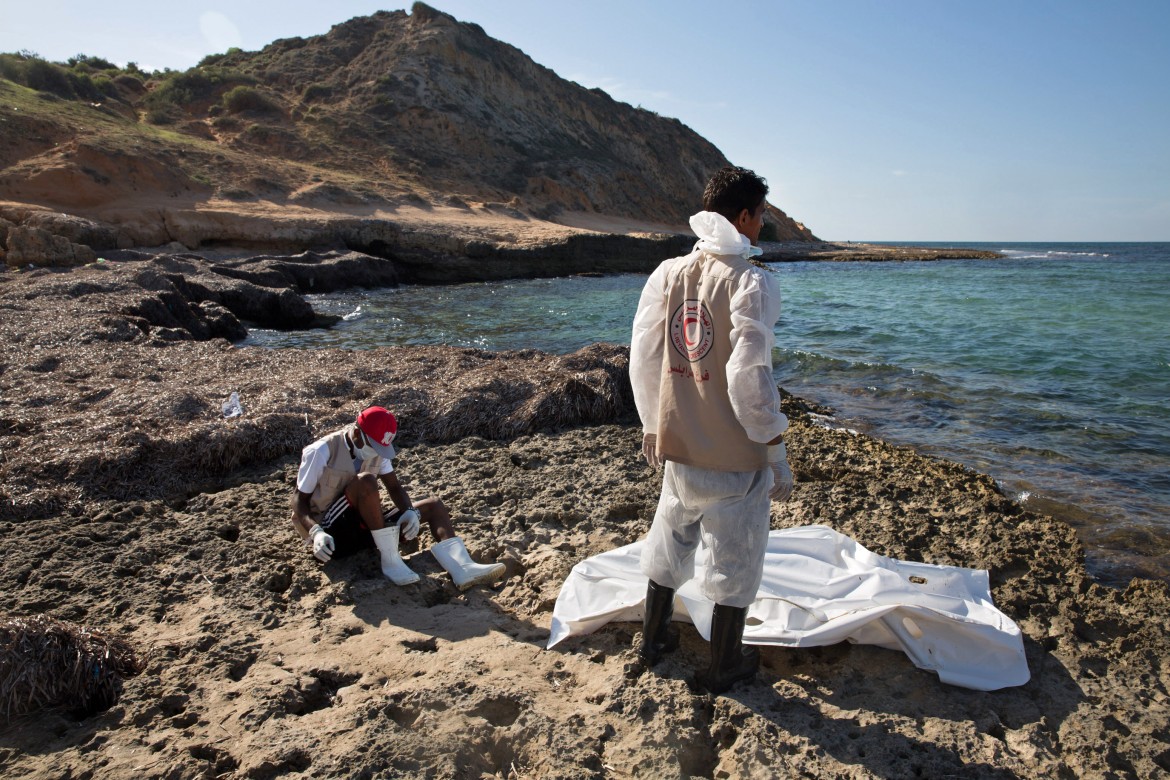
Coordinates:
x,y
337,508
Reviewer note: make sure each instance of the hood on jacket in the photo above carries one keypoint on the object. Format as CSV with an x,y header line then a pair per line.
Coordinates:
x,y
719,237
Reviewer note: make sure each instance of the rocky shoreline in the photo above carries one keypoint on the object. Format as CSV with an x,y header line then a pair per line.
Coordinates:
x,y
486,243
851,251
131,504
481,244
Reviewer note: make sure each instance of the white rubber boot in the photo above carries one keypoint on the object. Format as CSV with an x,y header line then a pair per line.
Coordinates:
x,y
453,556
392,564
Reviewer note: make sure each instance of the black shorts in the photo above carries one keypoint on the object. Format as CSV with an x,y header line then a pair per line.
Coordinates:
x,y
344,524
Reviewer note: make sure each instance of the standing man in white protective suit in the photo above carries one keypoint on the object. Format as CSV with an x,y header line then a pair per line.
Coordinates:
x,y
337,507
701,369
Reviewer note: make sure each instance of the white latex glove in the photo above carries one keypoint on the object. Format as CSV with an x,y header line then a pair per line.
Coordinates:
x,y
778,460
323,546
650,450
408,523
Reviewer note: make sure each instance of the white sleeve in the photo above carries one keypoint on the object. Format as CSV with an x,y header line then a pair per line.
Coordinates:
x,y
386,466
755,308
646,345
313,460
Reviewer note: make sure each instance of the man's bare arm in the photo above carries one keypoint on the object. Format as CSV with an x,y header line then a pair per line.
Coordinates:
x,y
396,492
301,519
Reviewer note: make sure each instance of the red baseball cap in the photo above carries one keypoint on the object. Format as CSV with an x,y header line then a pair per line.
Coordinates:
x,y
379,426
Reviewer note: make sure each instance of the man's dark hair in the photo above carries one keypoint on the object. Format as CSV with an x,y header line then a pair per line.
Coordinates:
x,y
731,190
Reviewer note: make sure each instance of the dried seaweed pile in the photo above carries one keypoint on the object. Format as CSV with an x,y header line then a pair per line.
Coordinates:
x,y
47,663
95,408
503,395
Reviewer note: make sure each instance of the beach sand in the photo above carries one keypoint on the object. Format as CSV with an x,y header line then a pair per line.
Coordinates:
x,y
131,505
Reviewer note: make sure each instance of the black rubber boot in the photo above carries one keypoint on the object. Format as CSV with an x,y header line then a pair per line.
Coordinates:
x,y
731,660
658,636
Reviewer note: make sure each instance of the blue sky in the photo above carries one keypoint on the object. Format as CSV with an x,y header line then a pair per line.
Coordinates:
x,y
928,120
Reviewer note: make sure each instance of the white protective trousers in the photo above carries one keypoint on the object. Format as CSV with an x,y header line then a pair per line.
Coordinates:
x,y
729,512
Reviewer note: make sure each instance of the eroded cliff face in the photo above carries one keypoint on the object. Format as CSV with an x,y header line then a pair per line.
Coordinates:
x,y
380,116
484,120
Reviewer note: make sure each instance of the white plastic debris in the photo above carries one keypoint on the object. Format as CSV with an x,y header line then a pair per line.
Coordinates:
x,y
231,407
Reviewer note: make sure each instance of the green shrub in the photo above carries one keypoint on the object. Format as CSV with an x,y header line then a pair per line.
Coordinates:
x,y
289,44
260,133
242,98
216,59
317,91
177,91
12,68
83,86
85,77
768,232
105,85
161,115
384,106
46,77
85,63
130,82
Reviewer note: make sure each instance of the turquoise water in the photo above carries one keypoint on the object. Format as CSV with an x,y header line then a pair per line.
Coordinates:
x,y
1048,369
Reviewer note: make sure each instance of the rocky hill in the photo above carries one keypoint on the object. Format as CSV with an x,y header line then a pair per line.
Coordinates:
x,y
415,120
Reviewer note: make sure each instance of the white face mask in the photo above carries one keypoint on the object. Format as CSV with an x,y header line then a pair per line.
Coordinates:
x,y
365,452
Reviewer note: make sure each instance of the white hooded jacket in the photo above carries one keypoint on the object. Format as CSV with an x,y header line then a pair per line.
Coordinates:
x,y
754,310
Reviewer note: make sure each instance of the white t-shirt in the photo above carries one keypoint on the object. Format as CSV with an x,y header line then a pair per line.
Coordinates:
x,y
315,457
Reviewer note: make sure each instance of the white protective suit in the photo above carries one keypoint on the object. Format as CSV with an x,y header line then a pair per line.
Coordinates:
x,y
727,509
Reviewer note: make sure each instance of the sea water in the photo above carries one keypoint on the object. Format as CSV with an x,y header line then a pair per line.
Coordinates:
x,y
1048,369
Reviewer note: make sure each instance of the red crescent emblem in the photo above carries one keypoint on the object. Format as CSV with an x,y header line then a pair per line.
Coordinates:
x,y
691,330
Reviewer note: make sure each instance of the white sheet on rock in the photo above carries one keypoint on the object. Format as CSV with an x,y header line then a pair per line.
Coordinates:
x,y
819,588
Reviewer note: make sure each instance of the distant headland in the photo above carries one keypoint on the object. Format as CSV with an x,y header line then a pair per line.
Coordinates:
x,y
413,138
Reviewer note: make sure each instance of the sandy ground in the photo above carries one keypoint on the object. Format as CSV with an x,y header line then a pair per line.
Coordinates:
x,y
263,663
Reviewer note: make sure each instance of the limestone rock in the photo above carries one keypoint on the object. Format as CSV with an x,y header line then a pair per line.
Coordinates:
x,y
221,323
34,246
317,272
5,226
79,230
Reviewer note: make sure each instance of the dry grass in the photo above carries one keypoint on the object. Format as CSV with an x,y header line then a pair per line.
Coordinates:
x,y
47,663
